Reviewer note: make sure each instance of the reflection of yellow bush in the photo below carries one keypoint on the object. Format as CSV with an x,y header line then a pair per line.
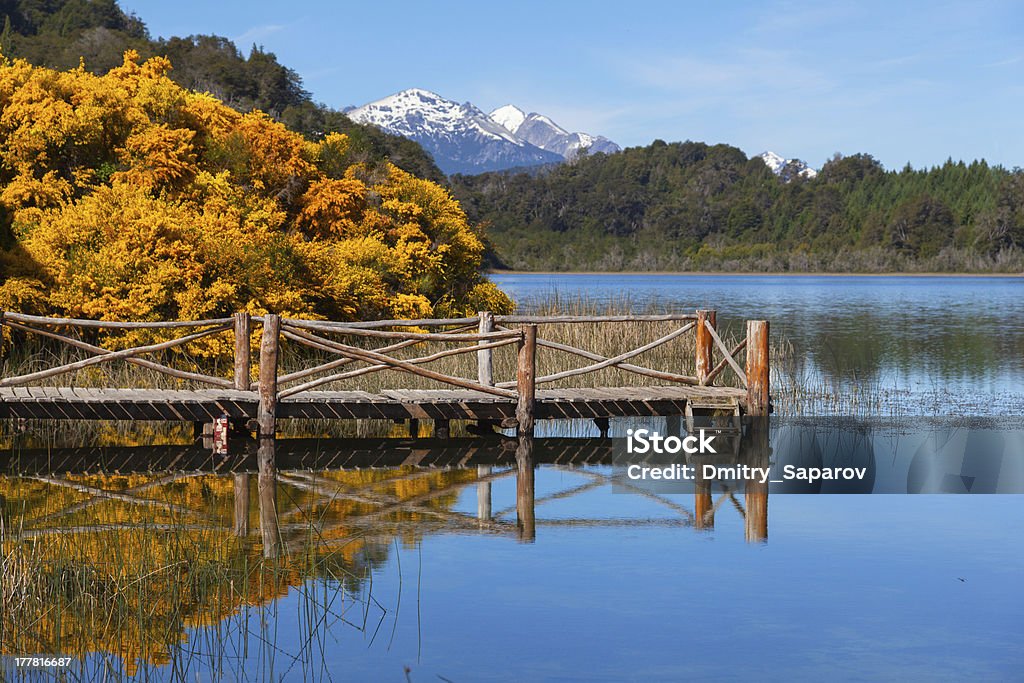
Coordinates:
x,y
136,199
129,579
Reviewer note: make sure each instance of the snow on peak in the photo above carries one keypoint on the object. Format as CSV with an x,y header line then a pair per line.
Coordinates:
x,y
463,139
541,131
413,97
781,166
510,117
545,120
773,161
416,112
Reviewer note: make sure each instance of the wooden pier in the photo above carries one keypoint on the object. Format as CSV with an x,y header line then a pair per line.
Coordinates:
x,y
257,405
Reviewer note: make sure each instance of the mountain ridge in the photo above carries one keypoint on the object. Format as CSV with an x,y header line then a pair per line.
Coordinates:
x,y
540,130
463,139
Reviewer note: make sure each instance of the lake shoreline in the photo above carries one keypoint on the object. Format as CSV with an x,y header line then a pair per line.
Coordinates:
x,y
719,273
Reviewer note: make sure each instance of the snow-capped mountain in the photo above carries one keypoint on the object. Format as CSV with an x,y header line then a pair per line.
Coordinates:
x,y
787,169
463,139
460,137
510,116
541,131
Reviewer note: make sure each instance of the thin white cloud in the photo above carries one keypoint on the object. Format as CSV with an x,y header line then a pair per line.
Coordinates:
x,y
794,17
748,70
575,112
898,61
1007,62
256,33
587,119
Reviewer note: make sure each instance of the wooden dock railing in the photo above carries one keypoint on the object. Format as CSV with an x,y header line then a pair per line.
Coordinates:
x,y
479,335
32,325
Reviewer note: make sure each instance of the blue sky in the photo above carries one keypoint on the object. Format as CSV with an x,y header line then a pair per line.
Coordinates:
x,y
904,81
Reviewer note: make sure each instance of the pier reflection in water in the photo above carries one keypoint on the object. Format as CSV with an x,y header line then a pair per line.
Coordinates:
x,y
176,539
170,559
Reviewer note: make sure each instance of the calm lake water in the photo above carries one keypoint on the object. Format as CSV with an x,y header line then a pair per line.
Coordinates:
x,y
444,573
934,343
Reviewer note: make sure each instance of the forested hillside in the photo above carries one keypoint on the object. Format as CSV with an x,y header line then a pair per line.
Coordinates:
x,y
62,34
691,206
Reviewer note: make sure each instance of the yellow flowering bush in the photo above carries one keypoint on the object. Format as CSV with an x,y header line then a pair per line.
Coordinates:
x,y
125,196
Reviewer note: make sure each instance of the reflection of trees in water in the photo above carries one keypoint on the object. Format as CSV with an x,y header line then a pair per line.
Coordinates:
x,y
861,345
27,434
124,564
811,445
874,361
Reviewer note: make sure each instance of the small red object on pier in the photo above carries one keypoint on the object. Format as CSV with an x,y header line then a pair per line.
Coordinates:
x,y
220,436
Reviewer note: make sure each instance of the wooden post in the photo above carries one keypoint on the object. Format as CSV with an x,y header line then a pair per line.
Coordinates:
x,y
243,358
755,501
267,419
705,345
526,374
755,493
268,376
483,494
241,505
484,359
526,519
674,425
266,487
485,371
414,428
758,406
703,506
758,369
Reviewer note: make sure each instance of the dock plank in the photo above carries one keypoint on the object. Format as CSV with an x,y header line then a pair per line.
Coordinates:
x,y
203,405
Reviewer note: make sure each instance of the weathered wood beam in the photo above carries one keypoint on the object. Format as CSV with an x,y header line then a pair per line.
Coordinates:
x,y
269,344
548,319
141,362
728,357
589,355
114,325
333,346
241,514
705,320
341,362
107,358
526,511
484,358
374,357
376,324
380,334
725,361
243,352
758,373
617,359
526,372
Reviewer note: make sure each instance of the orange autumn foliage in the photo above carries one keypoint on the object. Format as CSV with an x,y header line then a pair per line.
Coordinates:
x,y
125,196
